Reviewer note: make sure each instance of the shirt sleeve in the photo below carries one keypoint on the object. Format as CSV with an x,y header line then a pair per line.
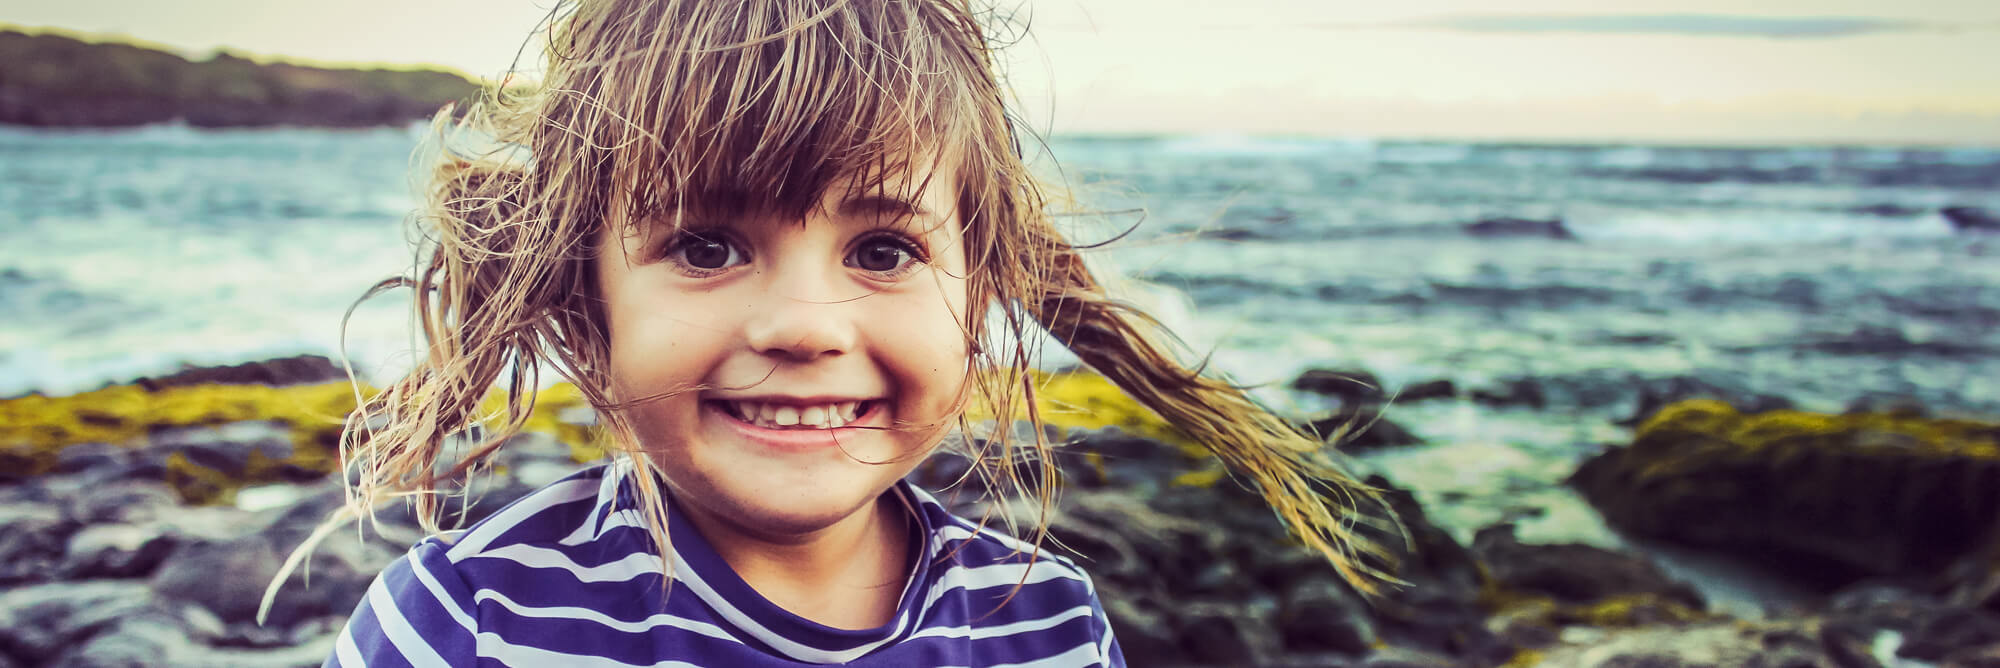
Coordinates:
x,y
418,612
1107,645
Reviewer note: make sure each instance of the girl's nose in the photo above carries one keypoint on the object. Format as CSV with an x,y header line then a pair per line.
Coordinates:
x,y
800,320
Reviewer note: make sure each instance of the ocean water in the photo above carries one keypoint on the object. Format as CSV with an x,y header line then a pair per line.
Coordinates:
x,y
1821,274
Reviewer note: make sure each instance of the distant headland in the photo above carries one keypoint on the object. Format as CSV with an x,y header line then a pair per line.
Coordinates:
x,y
52,80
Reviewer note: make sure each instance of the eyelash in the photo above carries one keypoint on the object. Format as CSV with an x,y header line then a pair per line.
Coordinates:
x,y
670,251
913,248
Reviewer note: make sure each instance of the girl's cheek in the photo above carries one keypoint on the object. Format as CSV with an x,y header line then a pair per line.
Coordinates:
x,y
941,345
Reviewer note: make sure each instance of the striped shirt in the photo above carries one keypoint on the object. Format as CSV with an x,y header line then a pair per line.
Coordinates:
x,y
569,576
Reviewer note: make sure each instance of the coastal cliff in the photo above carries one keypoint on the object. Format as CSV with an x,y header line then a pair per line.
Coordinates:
x,y
49,80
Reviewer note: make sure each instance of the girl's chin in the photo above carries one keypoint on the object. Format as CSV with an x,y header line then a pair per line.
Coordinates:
x,y
777,514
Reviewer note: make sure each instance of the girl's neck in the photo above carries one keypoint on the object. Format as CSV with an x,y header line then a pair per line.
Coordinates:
x,y
848,576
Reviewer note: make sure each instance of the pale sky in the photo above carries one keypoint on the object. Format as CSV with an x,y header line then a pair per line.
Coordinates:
x,y
1924,71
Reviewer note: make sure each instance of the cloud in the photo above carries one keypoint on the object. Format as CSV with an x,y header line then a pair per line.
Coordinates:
x,y
1711,25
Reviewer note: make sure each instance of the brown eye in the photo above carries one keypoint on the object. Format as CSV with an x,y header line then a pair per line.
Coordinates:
x,y
705,254
882,256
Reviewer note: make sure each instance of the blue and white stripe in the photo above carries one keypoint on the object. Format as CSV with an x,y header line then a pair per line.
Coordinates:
x,y
569,576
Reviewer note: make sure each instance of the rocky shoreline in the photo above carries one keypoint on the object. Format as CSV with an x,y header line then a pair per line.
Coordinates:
x,y
120,507
49,80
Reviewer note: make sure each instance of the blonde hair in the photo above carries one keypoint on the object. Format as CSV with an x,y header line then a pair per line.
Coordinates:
x,y
714,107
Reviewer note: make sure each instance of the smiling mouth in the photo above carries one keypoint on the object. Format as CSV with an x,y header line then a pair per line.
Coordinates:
x,y
792,417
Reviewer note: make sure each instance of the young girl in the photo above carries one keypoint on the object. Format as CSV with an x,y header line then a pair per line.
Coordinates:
x,y
770,243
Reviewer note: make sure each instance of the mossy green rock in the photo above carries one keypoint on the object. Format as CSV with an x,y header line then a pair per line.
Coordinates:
x,y
1830,497
34,430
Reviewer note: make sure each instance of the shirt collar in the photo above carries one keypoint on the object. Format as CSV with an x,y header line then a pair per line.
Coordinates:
x,y
699,570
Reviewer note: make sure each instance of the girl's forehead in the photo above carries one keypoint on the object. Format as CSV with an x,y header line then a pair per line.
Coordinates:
x,y
785,108
915,189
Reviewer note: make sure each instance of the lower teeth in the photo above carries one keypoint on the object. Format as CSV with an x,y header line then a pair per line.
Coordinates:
x,y
772,424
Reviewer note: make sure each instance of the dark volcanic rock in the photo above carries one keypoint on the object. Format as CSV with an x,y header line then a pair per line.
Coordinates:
x,y
1362,428
1931,630
1886,210
1357,423
1971,219
1951,631
1520,227
1514,392
250,561
1887,403
38,622
1230,234
120,501
1427,390
116,551
299,370
1656,393
1871,340
1351,387
1325,615
91,457
1202,574
1220,633
1712,645
1834,497
1975,657
1573,573
137,641
1618,391
1397,657
32,540
1441,610
189,576
226,448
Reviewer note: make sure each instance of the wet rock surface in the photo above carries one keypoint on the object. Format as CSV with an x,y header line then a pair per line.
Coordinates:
x,y
127,575
1835,497
1357,422
104,561
1971,219
132,551
1520,227
280,372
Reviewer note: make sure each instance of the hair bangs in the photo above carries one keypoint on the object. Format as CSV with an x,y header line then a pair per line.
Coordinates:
x,y
762,108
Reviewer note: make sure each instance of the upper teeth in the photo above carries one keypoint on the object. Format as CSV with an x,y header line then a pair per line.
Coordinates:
x,y
827,416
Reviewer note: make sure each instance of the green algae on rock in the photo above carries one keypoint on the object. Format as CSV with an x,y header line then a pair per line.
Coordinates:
x,y
34,429
1084,400
1834,497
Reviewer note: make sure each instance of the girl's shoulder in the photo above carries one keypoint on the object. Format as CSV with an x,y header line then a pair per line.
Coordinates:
x,y
574,510
979,554
427,604
1014,601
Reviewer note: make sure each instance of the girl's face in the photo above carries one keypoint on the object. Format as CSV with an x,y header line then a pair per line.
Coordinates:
x,y
812,341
